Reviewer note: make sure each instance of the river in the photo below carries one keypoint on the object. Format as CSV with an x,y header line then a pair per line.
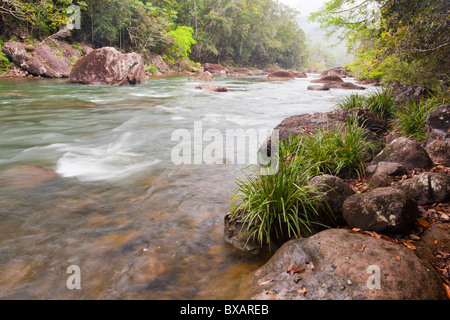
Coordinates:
x,y
136,224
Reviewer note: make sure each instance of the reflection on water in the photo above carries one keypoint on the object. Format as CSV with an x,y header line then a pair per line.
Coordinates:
x,y
113,203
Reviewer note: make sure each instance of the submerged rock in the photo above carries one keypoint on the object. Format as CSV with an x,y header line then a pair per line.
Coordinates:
x,y
26,176
107,66
210,87
340,264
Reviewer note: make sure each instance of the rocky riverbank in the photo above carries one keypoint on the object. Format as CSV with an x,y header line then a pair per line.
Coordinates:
x,y
392,238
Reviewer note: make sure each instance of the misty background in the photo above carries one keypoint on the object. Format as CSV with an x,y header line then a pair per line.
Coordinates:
x,y
315,34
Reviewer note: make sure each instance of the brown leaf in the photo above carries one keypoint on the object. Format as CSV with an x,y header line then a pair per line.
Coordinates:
x,y
290,268
447,290
356,229
300,270
311,265
303,291
423,223
398,257
272,297
265,282
410,246
363,247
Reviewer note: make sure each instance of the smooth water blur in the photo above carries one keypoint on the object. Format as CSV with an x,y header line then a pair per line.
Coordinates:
x,y
138,226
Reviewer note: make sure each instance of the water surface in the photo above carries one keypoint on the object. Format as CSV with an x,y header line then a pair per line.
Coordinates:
x,y
137,225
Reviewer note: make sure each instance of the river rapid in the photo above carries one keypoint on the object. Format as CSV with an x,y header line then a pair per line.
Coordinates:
x,y
136,224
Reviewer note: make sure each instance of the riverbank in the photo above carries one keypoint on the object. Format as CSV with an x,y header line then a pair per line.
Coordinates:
x,y
397,211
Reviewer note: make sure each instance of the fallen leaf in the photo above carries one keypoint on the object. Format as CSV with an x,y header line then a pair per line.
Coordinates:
x,y
447,290
423,223
356,229
405,177
289,269
272,297
363,247
410,246
265,282
398,257
299,270
311,265
303,291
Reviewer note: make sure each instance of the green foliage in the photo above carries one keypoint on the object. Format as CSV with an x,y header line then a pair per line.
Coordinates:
x,y
380,102
408,44
411,118
151,68
340,151
275,206
181,43
5,64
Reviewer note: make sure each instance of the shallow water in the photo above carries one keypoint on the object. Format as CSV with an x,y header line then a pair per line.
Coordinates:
x,y
137,225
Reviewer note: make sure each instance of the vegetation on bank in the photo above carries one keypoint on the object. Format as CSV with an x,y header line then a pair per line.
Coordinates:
x,y
400,41
284,205
244,33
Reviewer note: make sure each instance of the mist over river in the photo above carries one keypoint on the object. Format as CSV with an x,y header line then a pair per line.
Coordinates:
x,y
137,225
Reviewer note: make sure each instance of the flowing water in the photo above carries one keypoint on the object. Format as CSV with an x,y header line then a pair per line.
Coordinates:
x,y
137,225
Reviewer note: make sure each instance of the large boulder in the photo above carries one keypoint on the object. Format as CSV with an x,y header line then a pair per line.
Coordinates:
x,y
385,210
384,173
336,71
427,188
406,152
281,76
318,88
437,143
107,66
344,86
40,60
339,264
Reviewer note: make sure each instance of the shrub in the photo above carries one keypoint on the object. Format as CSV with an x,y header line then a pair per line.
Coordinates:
x,y
381,103
353,101
5,64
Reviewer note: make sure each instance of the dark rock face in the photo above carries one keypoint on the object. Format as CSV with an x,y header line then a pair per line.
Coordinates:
x,y
39,61
281,76
406,152
235,235
428,188
107,66
340,264
380,210
438,129
384,173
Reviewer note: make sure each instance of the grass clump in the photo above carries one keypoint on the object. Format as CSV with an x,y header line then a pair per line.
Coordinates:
x,y
5,64
273,207
411,118
381,102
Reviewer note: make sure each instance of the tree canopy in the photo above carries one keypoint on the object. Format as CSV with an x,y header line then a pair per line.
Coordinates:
x,y
250,33
394,40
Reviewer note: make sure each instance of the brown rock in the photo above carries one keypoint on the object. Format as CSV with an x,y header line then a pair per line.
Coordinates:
x,y
380,210
336,71
406,152
107,66
343,265
318,88
214,88
281,76
328,79
215,68
26,176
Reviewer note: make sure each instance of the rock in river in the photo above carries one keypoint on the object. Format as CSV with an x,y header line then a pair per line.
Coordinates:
x,y
107,66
